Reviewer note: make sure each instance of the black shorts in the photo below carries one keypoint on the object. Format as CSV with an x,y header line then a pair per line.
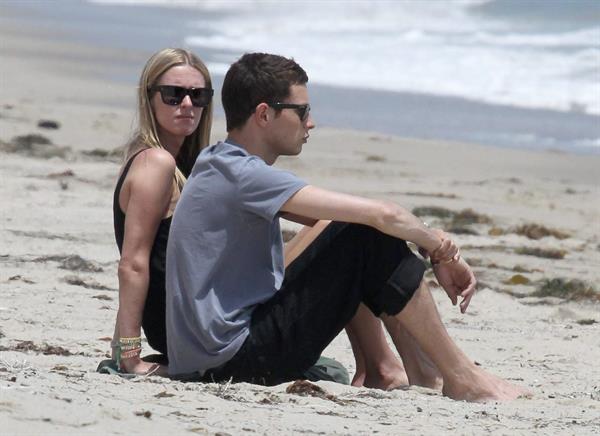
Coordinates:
x,y
346,265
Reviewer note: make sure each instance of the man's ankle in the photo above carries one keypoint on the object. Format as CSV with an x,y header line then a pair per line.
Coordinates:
x,y
386,376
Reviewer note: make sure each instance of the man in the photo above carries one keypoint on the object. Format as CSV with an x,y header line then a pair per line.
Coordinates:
x,y
231,313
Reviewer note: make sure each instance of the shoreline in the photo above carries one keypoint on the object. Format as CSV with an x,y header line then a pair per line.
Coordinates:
x,y
119,47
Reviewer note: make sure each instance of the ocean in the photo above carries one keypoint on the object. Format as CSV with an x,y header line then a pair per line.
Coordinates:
x,y
516,73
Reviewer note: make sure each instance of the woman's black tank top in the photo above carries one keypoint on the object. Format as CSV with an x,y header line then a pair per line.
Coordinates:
x,y
153,320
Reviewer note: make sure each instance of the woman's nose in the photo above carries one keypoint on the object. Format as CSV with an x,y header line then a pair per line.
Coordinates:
x,y
187,101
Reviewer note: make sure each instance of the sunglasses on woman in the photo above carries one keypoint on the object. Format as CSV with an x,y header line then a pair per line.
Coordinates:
x,y
173,95
301,109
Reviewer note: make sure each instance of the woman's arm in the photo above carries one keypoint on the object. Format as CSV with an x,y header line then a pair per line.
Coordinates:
x,y
145,199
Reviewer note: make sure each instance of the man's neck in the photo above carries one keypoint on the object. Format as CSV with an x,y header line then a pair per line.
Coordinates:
x,y
252,145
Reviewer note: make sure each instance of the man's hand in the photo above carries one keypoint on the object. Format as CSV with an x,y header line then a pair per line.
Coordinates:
x,y
457,279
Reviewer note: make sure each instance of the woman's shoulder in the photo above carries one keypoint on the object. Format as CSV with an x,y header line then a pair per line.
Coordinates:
x,y
155,159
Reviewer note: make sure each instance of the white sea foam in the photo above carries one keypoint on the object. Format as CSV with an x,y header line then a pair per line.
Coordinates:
x,y
432,47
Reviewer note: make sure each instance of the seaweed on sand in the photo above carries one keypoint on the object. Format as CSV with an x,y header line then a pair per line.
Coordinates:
x,y
469,216
587,321
44,348
48,124
458,219
573,289
102,154
547,253
538,231
431,194
306,388
517,279
77,263
88,284
61,174
375,158
71,262
434,211
460,230
34,145
496,231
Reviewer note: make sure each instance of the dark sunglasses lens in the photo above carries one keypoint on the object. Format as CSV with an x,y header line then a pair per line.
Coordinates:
x,y
200,97
172,95
303,112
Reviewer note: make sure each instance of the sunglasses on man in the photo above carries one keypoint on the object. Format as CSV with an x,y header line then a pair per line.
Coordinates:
x,y
173,95
301,109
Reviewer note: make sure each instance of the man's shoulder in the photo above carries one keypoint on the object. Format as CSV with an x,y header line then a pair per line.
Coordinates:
x,y
232,159
221,168
238,167
227,153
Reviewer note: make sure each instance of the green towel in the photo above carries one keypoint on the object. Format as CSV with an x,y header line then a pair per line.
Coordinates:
x,y
109,366
326,369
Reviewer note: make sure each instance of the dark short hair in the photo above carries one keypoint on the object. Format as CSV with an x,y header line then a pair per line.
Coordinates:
x,y
256,78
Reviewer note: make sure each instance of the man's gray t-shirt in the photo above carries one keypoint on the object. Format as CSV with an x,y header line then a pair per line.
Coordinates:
x,y
224,255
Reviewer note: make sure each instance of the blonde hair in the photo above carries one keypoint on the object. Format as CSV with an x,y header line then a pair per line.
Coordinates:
x,y
146,135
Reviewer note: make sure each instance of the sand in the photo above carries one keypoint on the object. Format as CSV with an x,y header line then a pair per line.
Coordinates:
x,y
58,265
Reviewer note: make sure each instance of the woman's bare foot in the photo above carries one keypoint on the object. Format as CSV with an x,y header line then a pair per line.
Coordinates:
x,y
135,365
476,385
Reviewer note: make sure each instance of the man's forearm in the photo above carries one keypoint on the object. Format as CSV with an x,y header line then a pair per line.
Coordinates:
x,y
394,220
385,216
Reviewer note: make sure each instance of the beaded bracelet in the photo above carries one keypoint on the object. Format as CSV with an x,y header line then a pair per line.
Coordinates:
x,y
130,353
125,348
132,340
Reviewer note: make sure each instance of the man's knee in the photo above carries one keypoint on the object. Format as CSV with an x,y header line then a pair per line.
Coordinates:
x,y
400,287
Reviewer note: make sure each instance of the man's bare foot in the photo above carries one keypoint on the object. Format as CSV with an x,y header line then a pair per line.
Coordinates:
x,y
359,379
478,386
384,379
422,372
386,383
431,381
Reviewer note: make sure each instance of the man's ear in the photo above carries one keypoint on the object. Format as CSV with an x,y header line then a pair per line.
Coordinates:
x,y
262,114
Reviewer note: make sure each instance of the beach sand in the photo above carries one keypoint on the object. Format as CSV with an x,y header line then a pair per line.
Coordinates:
x,y
58,271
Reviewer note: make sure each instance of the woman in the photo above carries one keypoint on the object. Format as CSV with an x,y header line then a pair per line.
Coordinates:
x,y
175,115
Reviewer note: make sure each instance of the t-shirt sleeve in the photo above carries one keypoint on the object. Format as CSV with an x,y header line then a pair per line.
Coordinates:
x,y
263,189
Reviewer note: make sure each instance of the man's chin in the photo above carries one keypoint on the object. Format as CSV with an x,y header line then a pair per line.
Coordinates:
x,y
294,152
